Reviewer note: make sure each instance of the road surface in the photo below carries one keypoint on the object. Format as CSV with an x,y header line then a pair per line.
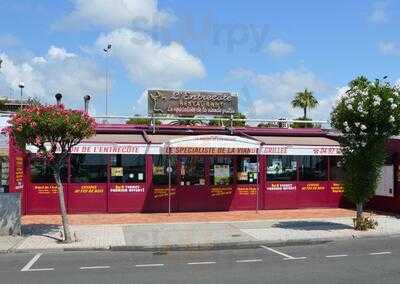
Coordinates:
x,y
356,261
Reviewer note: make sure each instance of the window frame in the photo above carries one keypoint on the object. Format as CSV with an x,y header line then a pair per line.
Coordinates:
x,y
336,179
239,160
119,159
301,168
99,178
231,171
184,181
293,175
174,174
50,178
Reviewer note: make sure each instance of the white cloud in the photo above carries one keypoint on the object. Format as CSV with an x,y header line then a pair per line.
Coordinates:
x,y
59,53
275,91
115,14
389,48
279,48
379,13
150,63
74,77
39,60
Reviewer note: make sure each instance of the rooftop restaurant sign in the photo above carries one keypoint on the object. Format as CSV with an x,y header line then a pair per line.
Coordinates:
x,y
191,102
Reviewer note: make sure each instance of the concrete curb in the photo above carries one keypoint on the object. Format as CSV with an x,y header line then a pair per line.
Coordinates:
x,y
202,247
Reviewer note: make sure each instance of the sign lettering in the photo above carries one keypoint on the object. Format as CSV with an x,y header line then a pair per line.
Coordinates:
x,y
191,102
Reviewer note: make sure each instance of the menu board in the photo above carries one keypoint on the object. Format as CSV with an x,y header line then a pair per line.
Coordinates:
x,y
158,170
221,174
117,171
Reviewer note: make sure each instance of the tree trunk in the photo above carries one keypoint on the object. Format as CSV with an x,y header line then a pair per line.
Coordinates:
x,y
305,113
360,210
67,231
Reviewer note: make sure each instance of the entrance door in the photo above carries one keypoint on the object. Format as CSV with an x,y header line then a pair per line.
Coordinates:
x,y
192,189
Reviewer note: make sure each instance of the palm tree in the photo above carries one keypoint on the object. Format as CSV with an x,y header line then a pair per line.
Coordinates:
x,y
304,100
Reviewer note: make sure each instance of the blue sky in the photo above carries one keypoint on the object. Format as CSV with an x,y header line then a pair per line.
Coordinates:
x,y
265,51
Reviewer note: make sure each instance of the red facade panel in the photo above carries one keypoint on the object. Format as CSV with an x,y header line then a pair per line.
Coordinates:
x,y
335,194
157,200
192,198
126,197
280,195
87,198
245,198
312,194
220,198
43,198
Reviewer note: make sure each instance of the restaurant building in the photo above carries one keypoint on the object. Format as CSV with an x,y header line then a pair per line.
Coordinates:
x,y
140,168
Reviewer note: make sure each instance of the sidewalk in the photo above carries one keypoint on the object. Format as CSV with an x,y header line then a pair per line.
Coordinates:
x,y
199,230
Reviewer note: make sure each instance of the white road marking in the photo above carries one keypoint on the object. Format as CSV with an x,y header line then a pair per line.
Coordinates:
x,y
380,253
149,265
28,266
249,260
204,262
336,255
94,267
287,257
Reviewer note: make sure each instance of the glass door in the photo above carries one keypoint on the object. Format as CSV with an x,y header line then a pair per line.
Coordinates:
x,y
192,189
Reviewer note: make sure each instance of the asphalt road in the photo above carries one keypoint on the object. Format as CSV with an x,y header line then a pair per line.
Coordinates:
x,y
356,261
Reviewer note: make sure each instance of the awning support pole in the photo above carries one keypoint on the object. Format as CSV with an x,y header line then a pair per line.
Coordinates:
x,y
258,181
169,181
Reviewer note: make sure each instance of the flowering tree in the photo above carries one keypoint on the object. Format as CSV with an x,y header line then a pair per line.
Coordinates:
x,y
367,115
53,130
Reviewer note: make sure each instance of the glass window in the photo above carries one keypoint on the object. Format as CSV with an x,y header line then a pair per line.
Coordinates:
x,y
4,173
281,168
247,170
337,172
42,173
221,171
88,168
160,174
192,171
313,168
128,168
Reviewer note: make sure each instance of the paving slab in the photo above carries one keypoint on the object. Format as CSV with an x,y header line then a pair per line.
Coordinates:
x,y
95,237
7,243
183,235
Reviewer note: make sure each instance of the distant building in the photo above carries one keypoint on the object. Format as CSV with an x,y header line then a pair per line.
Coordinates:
x,y
7,105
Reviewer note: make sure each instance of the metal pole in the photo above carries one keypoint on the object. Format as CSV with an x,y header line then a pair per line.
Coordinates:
x,y
107,51
106,86
169,181
258,181
21,97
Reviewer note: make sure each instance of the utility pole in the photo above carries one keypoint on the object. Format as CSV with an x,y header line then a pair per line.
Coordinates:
x,y
107,51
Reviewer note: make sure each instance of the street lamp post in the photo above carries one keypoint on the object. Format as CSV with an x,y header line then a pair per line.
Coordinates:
x,y
21,87
107,51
